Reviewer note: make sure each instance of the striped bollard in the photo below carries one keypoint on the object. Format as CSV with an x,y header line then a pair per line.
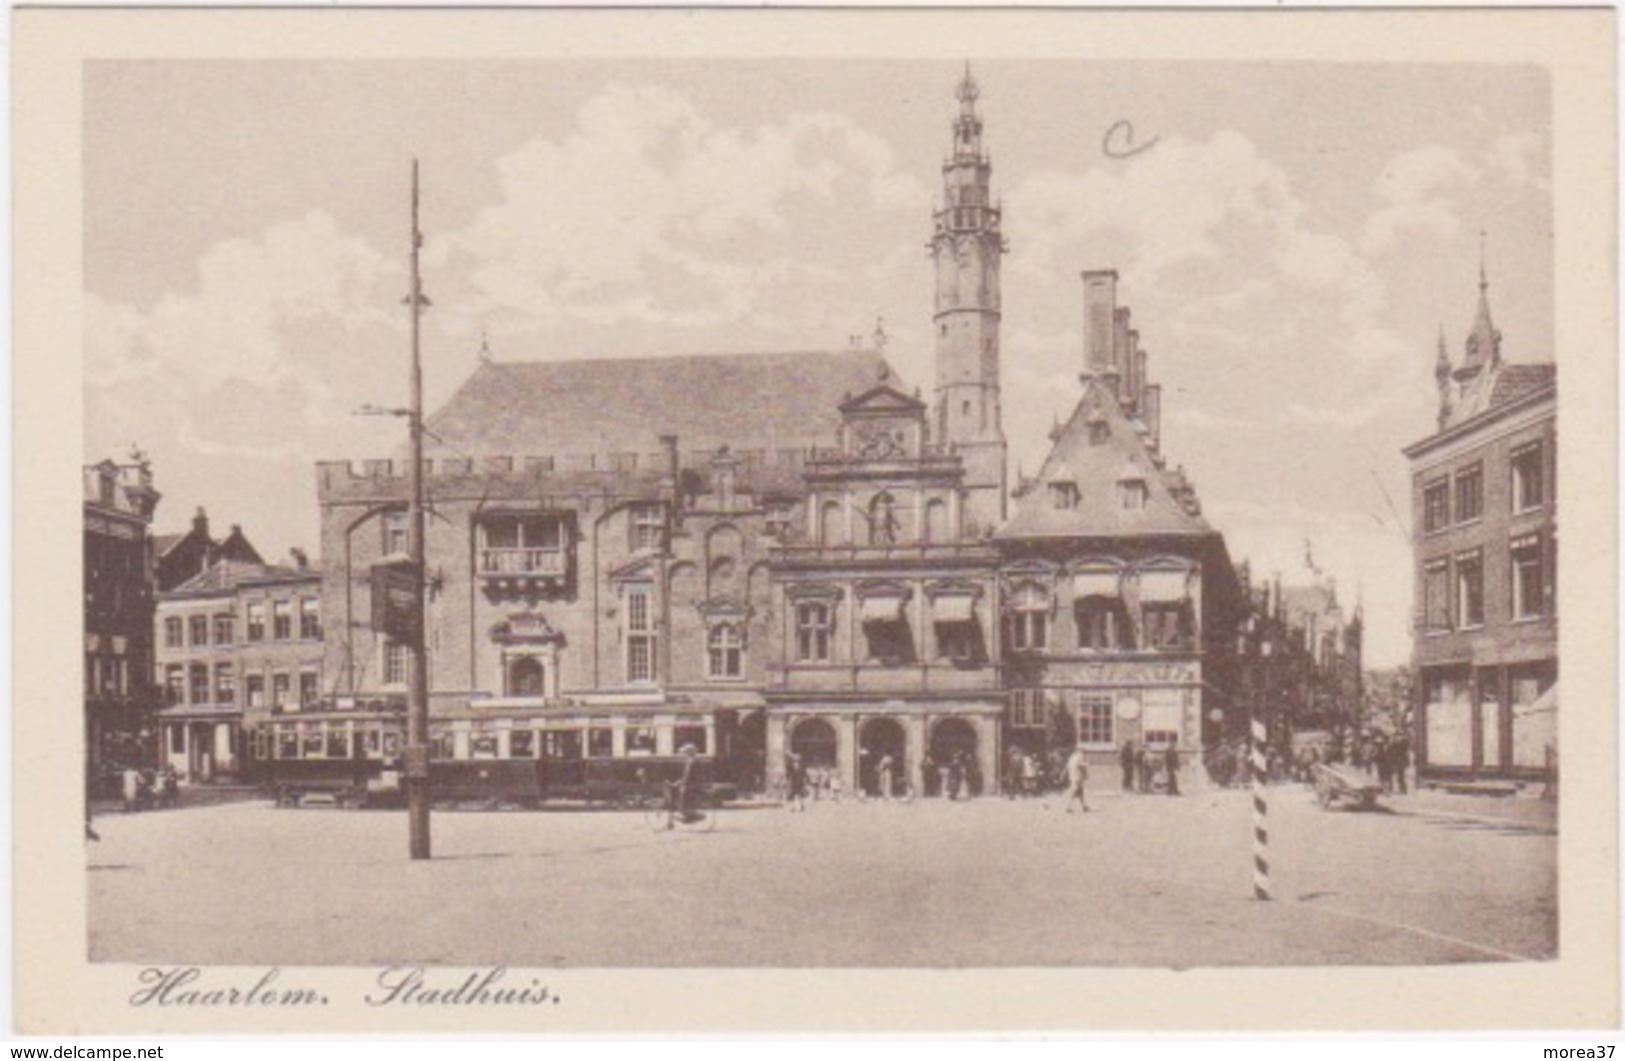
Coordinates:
x,y
1261,810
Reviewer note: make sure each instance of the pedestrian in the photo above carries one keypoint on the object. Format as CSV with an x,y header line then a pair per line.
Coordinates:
x,y
130,781
1170,763
928,775
795,779
1126,758
1012,773
1029,775
884,776
973,776
1077,778
169,786
1400,751
1385,764
1144,768
956,774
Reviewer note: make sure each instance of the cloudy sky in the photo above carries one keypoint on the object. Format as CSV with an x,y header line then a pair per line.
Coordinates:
x,y
1290,244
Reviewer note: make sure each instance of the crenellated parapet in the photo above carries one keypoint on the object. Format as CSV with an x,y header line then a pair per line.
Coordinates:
x,y
615,472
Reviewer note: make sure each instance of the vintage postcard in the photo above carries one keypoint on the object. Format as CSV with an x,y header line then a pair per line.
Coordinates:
x,y
700,520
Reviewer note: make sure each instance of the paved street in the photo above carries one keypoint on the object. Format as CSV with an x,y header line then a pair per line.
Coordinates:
x,y
1147,881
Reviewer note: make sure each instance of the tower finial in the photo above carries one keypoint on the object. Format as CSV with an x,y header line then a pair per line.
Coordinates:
x,y
485,348
967,92
1483,278
880,333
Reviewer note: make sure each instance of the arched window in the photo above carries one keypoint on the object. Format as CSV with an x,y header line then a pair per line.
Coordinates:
x,y
883,524
829,524
526,677
936,523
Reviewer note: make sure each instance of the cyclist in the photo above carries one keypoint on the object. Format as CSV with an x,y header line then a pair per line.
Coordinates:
x,y
679,793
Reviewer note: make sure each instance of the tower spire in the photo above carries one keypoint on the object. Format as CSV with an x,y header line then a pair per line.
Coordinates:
x,y
1483,342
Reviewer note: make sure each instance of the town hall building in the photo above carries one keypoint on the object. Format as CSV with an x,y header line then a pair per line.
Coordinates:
x,y
776,554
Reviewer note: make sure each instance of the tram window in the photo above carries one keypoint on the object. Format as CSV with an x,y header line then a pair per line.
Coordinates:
x,y
261,743
522,744
287,743
640,740
442,745
392,744
338,742
694,735
311,744
600,742
482,746
371,740
562,744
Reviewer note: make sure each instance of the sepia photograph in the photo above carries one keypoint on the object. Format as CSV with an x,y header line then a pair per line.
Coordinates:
x,y
960,509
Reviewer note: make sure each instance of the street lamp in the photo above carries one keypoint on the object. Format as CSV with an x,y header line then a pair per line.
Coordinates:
x,y
416,755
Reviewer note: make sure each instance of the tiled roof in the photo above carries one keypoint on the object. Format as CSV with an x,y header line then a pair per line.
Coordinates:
x,y
1500,384
601,406
228,575
162,543
1097,468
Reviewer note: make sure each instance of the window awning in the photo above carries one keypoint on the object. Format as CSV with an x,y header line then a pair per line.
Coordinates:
x,y
882,609
1102,583
1164,586
954,608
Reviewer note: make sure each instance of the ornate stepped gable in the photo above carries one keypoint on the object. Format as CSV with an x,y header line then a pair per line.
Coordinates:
x,y
1098,455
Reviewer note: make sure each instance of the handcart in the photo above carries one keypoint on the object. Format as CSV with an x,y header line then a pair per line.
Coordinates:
x,y
1340,784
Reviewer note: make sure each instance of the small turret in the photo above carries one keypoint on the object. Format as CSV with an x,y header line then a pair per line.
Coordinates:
x,y
1441,375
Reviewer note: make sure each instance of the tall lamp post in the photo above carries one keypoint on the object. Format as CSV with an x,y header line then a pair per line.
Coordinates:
x,y
1260,762
417,724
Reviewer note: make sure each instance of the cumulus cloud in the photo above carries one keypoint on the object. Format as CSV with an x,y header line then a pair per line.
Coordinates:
x,y
640,214
1420,191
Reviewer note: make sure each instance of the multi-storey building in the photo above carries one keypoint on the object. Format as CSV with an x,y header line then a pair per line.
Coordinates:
x,y
1483,495
774,553
1120,600
119,501
236,644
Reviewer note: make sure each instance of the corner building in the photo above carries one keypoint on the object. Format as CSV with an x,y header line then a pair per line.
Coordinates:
x,y
754,554
1484,513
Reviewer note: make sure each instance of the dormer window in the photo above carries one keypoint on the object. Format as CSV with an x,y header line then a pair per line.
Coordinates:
x,y
1131,494
1100,431
1063,494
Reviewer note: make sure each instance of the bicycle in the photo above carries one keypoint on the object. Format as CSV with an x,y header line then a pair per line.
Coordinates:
x,y
662,813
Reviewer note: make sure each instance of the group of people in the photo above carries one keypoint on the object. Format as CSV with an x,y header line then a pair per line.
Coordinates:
x,y
143,789
1139,765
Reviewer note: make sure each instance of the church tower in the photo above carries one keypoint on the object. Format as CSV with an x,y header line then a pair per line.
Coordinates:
x,y
966,247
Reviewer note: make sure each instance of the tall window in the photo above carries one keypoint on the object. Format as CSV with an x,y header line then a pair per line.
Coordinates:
x,y
224,630
936,522
640,635
648,526
1528,478
1095,719
254,690
309,689
1528,578
1470,589
1469,493
829,524
198,681
1436,595
725,655
282,620
225,684
256,621
175,683
199,625
1029,619
1063,494
397,534
1436,506
778,517
883,525
310,619
281,687
812,632
174,632
1027,708
397,661
1103,623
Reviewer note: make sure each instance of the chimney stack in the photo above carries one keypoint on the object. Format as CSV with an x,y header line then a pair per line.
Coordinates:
x,y
200,522
301,562
1151,413
673,479
1100,325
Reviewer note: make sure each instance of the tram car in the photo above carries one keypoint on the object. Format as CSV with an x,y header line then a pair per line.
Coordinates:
x,y
352,758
